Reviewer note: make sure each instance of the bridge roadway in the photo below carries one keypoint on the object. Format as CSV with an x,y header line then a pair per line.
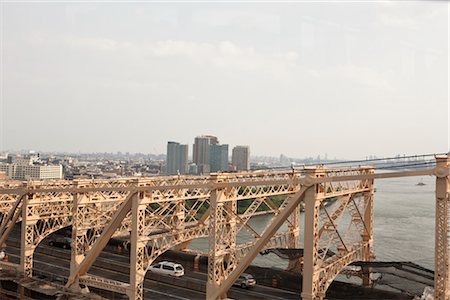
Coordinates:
x,y
53,264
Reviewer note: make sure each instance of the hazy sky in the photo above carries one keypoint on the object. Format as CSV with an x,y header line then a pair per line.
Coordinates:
x,y
349,79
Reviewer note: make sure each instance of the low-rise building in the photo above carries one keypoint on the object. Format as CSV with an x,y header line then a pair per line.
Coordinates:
x,y
35,172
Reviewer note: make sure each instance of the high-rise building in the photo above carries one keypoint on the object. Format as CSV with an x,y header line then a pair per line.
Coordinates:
x,y
218,157
213,140
201,155
177,158
241,158
192,169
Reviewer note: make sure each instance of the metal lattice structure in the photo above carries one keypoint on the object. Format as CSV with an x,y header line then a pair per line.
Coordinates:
x,y
161,213
330,246
441,271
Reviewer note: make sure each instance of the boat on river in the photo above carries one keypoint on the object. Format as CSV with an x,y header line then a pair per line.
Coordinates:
x,y
420,182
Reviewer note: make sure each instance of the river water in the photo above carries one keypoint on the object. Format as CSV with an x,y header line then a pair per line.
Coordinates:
x,y
403,223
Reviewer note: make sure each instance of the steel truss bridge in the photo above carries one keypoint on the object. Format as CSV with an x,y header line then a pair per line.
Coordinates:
x,y
161,213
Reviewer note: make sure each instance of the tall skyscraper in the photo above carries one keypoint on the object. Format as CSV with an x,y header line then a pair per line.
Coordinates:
x,y
218,157
241,158
177,158
201,152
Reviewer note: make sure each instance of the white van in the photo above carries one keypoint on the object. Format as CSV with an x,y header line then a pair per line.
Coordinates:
x,y
167,268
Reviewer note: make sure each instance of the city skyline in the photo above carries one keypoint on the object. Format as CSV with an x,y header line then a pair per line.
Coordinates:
x,y
281,156
303,76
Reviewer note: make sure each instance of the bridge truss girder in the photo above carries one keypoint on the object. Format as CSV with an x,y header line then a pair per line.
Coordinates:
x,y
222,274
165,212
327,249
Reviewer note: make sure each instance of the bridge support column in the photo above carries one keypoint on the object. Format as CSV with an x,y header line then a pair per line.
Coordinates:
x,y
78,239
294,228
29,220
179,219
222,240
294,223
310,273
368,226
441,268
294,236
138,243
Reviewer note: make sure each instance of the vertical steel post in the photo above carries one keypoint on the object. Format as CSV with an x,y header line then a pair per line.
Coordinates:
x,y
310,276
294,220
178,219
294,225
294,235
214,219
368,234
137,264
294,228
230,260
222,239
29,219
79,232
441,261
78,235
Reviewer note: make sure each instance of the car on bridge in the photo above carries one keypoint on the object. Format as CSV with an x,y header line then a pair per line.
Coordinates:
x,y
61,242
167,268
245,281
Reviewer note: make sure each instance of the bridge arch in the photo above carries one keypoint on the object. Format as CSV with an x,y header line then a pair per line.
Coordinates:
x,y
42,214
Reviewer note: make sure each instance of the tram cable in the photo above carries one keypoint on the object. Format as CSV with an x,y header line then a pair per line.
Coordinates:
x,y
418,156
409,166
380,163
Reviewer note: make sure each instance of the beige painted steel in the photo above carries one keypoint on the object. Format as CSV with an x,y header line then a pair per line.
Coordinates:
x,y
309,290
167,212
368,235
226,282
442,271
82,267
105,284
137,264
10,220
310,244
